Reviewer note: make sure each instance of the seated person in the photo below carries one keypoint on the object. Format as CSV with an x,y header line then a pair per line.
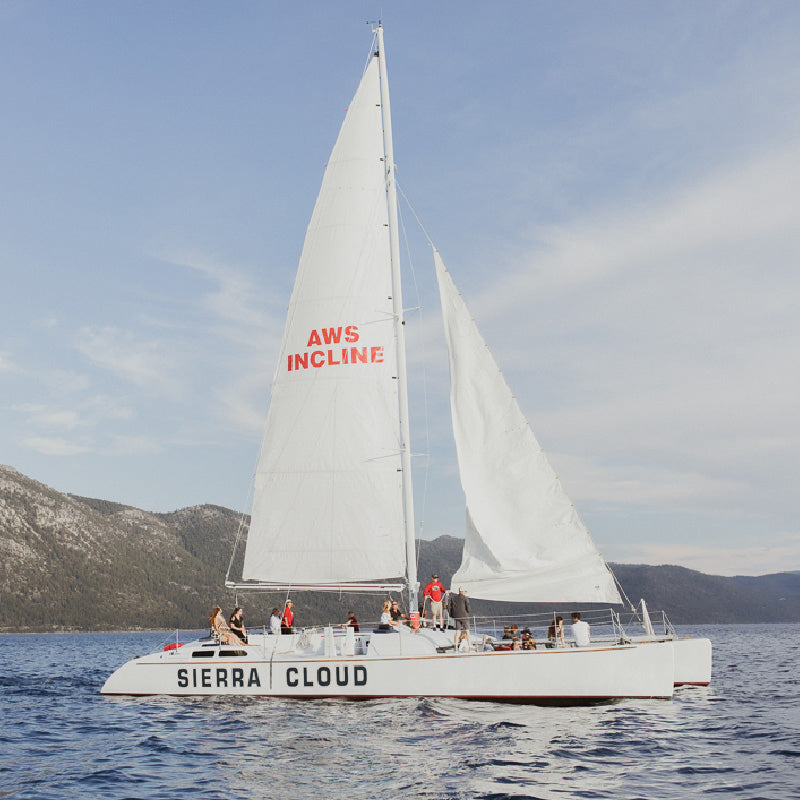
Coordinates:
x,y
580,630
528,642
514,643
220,629
555,633
395,613
386,617
352,622
236,624
463,644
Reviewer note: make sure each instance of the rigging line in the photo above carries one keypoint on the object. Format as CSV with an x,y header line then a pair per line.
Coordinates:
x,y
373,47
419,310
634,608
247,502
414,212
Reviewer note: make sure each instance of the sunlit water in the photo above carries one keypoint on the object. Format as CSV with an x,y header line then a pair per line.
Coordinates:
x,y
60,739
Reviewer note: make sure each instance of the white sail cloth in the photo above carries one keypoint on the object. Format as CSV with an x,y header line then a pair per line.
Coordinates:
x,y
524,539
327,505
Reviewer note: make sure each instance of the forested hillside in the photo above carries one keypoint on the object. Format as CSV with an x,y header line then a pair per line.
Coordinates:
x,y
78,563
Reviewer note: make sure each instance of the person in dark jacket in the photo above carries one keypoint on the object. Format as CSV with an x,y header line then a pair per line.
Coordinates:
x,y
236,623
459,611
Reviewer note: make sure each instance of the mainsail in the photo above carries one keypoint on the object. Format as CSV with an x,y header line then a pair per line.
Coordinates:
x,y
524,539
327,505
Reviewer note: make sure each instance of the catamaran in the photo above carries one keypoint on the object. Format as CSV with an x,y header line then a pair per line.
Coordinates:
x,y
333,504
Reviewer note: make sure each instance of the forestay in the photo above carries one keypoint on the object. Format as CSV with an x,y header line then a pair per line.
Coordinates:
x,y
327,504
524,539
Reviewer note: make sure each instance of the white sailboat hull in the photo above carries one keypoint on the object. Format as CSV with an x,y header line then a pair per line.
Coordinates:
x,y
402,665
692,662
692,658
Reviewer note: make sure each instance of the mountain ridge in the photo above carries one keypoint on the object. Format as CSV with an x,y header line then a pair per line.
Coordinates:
x,y
78,563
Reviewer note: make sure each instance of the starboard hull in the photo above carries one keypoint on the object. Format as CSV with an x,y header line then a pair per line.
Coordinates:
x,y
692,658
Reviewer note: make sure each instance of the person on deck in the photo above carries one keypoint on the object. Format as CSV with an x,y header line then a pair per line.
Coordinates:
x,y
275,622
386,617
459,611
236,623
580,630
395,613
287,619
555,633
435,590
527,642
352,622
220,629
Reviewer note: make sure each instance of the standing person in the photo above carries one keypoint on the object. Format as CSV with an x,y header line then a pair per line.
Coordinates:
x,y
580,630
236,623
352,622
555,633
459,611
288,618
275,622
435,590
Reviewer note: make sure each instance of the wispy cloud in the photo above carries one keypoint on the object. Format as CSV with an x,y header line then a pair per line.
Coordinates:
x,y
7,364
243,323
143,362
782,553
55,446
235,298
135,445
742,217
42,416
66,382
666,332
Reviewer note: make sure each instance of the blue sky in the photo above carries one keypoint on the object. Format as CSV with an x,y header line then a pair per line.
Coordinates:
x,y
615,187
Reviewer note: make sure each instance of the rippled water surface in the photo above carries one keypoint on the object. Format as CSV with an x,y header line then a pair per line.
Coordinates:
x,y
60,739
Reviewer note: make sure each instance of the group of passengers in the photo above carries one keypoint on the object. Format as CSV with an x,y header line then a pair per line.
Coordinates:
x,y
233,631
555,634
230,632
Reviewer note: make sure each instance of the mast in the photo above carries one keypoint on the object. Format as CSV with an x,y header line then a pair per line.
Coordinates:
x,y
399,323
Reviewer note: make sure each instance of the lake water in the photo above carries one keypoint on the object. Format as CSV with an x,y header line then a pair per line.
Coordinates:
x,y
60,739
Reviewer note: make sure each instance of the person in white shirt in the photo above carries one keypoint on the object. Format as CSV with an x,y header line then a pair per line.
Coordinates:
x,y
275,622
580,629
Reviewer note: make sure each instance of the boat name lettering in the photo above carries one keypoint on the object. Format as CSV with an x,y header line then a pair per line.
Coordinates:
x,y
218,678
367,354
325,676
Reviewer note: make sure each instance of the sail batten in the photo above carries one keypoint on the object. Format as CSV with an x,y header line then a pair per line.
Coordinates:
x,y
524,539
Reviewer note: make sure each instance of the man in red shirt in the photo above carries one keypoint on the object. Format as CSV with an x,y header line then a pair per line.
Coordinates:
x,y
288,618
435,590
